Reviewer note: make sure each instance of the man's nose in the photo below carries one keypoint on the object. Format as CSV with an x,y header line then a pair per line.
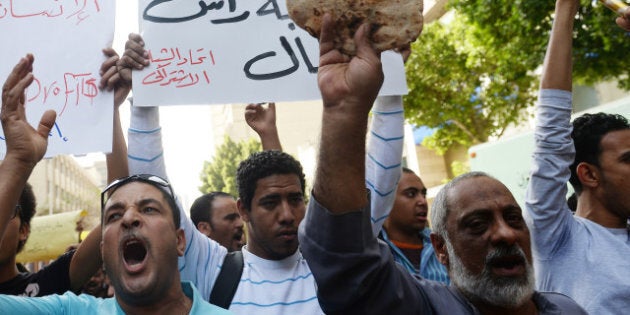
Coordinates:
x,y
239,222
504,233
287,216
421,200
131,218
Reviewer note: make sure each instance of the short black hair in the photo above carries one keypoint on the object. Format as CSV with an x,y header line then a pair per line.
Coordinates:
x,y
408,170
201,209
28,208
588,131
169,195
264,164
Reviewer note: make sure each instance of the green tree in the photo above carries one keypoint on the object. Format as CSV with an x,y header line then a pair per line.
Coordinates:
x,y
220,173
456,88
474,77
522,28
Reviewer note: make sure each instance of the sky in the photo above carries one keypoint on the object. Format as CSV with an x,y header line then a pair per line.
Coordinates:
x,y
185,147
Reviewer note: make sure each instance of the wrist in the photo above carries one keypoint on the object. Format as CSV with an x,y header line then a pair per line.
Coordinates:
x,y
17,166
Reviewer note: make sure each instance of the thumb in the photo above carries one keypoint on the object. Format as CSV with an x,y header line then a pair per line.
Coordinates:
x,y
46,123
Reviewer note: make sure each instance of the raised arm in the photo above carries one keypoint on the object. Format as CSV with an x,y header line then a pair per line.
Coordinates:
x,y
383,162
112,80
348,90
263,121
87,259
558,62
547,212
354,273
26,145
203,256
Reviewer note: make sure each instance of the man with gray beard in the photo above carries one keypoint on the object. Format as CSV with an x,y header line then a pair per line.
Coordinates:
x,y
504,276
479,232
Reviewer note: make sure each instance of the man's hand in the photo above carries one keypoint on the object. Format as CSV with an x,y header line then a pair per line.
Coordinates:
x,y
262,120
134,57
344,80
624,20
111,78
24,143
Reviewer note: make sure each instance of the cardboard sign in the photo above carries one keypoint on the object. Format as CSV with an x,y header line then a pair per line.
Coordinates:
x,y
66,37
232,51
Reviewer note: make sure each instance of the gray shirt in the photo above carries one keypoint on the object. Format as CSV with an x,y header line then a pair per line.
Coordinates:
x,y
356,273
572,255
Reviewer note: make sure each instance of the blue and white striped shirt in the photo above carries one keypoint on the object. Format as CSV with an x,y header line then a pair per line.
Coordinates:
x,y
271,286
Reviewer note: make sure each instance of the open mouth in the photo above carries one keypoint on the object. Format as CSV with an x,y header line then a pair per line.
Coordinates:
x,y
512,265
134,252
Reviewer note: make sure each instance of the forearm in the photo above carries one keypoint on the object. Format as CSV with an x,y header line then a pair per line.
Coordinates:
x,y
117,165
384,156
547,211
146,154
340,177
558,61
86,260
270,139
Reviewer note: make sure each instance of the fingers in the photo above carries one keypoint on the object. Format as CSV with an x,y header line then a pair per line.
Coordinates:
x,y
253,110
327,52
624,21
362,41
405,51
14,96
271,106
46,123
108,69
326,36
135,56
24,66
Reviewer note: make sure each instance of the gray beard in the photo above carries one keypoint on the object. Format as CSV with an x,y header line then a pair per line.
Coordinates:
x,y
485,287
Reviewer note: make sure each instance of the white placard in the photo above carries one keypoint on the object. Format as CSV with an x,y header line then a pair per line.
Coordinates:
x,y
66,37
232,51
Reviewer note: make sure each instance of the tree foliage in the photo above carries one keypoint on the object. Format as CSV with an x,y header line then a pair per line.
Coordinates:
x,y
473,77
219,174
523,26
460,90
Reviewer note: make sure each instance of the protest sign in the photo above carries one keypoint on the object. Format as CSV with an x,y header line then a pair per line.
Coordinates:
x,y
66,37
229,51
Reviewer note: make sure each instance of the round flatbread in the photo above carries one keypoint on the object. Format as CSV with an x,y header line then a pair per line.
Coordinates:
x,y
395,23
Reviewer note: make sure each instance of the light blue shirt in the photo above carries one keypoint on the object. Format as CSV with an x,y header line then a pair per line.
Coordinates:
x,y
430,267
572,255
70,303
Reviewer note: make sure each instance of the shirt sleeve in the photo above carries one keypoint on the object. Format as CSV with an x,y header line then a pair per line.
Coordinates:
x,y
384,156
354,272
547,213
51,304
55,278
203,256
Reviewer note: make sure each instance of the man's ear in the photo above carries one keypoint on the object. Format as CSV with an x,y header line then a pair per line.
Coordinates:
x,y
439,246
25,231
181,242
204,227
588,174
242,210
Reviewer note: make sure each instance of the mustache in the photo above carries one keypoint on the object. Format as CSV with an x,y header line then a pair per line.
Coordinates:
x,y
505,251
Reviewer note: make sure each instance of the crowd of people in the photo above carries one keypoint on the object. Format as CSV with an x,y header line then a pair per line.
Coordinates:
x,y
360,244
